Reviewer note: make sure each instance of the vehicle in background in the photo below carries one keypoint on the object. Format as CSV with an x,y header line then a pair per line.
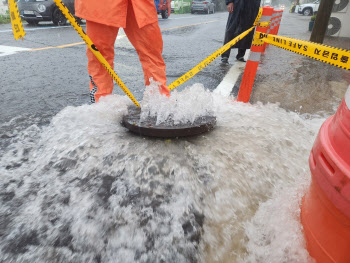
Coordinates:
x,y
34,11
172,6
309,9
203,6
164,9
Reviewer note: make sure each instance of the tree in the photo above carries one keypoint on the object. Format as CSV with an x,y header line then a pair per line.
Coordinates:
x,y
321,22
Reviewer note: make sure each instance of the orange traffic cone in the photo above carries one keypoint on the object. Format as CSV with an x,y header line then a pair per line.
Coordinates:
x,y
254,57
325,209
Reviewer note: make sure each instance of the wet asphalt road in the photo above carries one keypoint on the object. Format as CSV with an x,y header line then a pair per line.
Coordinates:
x,y
50,170
43,81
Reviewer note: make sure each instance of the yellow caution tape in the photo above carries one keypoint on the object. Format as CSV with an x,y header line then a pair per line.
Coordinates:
x,y
213,56
330,55
257,19
256,39
17,26
258,16
263,24
208,60
94,50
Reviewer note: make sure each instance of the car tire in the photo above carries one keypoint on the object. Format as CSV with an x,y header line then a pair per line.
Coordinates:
x,y
58,18
79,20
32,22
164,14
307,11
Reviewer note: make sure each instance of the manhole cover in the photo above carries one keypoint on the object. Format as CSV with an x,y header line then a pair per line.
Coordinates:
x,y
167,129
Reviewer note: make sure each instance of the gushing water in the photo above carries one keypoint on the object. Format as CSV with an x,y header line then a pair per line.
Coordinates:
x,y
83,189
178,107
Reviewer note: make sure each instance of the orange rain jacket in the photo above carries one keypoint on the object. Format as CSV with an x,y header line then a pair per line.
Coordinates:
x,y
140,22
113,12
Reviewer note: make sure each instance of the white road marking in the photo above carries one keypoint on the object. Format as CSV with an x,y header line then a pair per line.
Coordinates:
x,y
227,84
9,50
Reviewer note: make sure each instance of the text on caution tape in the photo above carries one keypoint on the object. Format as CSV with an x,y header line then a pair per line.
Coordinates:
x,y
330,55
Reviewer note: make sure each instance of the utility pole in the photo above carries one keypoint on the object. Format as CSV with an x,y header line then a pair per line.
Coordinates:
x,y
321,22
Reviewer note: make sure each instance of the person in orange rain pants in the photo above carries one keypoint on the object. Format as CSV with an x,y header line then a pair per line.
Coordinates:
x,y
139,20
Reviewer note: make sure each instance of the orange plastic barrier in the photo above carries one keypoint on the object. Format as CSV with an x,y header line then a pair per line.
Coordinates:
x,y
277,22
272,24
254,57
325,210
270,14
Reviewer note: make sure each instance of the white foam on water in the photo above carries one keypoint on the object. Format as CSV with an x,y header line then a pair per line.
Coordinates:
x,y
275,234
84,189
184,106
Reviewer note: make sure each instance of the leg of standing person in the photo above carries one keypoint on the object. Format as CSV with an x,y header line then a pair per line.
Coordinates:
x,y
229,35
148,43
233,28
240,54
103,36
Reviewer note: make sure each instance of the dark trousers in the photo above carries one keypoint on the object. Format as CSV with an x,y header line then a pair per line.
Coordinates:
x,y
241,53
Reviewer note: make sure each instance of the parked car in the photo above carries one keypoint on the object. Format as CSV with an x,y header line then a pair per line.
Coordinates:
x,y
203,6
309,9
163,10
34,11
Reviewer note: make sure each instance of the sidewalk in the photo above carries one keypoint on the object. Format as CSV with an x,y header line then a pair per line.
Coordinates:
x,y
296,82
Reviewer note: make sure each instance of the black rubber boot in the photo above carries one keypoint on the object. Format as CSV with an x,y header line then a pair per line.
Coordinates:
x,y
224,60
240,55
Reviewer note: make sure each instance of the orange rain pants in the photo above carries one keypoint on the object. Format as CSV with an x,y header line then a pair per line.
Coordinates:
x,y
146,39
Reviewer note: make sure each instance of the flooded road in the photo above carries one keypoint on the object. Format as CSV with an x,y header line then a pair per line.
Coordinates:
x,y
75,186
83,189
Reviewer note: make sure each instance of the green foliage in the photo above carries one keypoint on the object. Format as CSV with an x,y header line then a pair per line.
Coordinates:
x,y
313,18
5,19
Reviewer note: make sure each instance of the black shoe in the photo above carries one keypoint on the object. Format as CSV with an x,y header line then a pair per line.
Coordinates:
x,y
224,61
241,59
